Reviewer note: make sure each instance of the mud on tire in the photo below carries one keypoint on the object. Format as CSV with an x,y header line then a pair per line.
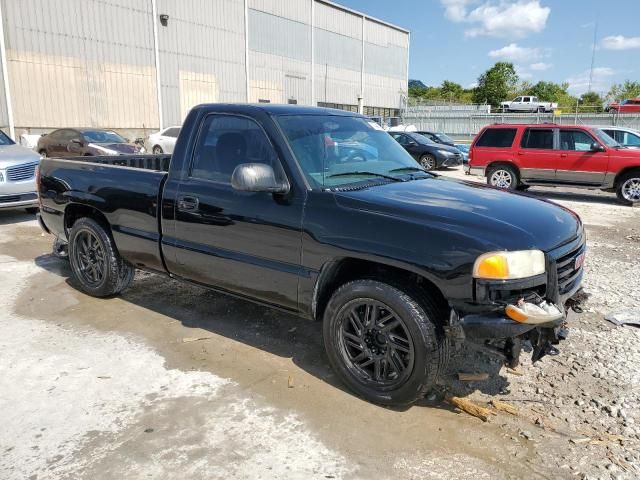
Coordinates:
x,y
97,267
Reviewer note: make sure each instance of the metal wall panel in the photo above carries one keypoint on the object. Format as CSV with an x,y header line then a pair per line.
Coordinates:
x,y
202,54
298,10
338,21
280,51
80,63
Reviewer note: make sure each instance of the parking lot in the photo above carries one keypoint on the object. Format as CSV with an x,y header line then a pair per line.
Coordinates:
x,y
174,381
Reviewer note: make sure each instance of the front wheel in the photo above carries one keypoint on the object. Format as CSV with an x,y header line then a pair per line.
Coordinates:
x,y
97,267
628,188
428,161
382,342
503,176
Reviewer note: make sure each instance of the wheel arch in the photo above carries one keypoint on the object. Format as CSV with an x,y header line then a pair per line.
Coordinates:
x,y
337,272
624,172
496,163
75,211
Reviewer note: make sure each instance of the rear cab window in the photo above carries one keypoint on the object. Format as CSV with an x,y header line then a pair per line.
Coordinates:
x,y
496,138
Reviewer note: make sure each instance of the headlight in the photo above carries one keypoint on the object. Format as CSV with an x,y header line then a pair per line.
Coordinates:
x,y
445,153
509,265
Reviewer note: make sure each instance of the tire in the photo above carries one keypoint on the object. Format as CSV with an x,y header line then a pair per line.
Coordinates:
x,y
428,162
503,176
540,109
157,150
384,374
32,210
628,188
96,265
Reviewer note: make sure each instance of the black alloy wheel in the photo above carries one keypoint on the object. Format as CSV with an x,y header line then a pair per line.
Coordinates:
x,y
90,258
375,343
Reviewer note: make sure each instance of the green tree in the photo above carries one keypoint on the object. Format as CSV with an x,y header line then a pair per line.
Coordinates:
x,y
591,102
496,84
451,90
622,91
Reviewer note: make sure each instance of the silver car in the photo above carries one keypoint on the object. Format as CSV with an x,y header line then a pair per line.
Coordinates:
x,y
17,175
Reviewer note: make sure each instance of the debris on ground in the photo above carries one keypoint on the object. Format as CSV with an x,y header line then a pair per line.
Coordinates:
x,y
504,407
624,318
195,339
290,382
470,407
472,377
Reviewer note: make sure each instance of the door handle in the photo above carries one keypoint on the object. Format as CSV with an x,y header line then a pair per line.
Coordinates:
x,y
188,203
563,155
520,152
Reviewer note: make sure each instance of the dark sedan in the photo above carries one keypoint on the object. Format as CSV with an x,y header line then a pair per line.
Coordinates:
x,y
438,137
427,153
70,142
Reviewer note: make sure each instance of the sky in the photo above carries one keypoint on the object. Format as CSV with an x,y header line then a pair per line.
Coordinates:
x,y
546,39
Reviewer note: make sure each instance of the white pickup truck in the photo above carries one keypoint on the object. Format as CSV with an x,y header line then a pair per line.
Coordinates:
x,y
527,104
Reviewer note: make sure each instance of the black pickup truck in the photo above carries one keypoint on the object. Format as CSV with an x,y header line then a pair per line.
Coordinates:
x,y
321,213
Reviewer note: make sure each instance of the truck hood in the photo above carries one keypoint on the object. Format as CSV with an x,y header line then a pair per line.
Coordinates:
x,y
499,220
11,155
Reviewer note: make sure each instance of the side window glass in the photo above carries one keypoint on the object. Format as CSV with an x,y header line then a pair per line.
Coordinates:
x,y
226,141
632,139
538,138
575,140
172,132
518,99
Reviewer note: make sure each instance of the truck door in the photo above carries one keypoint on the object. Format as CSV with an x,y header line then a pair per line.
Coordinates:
x,y
246,243
578,163
537,158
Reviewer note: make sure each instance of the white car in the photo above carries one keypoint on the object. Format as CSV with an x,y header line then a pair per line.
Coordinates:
x,y
627,137
527,104
17,175
163,141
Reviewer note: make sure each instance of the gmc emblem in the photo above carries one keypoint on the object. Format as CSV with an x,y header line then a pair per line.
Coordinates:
x,y
579,261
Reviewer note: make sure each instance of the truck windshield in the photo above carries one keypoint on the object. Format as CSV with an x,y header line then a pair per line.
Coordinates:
x,y
334,150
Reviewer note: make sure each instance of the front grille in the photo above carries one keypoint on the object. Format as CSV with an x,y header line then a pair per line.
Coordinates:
x,y
21,172
567,273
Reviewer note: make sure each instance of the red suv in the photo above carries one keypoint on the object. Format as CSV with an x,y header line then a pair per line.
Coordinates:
x,y
517,156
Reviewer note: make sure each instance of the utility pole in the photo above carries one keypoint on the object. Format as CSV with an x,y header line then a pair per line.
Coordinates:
x,y
593,54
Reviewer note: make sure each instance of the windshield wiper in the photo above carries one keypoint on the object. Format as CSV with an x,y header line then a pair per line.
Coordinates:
x,y
374,174
409,169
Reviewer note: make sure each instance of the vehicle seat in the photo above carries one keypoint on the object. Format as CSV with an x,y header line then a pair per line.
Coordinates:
x,y
230,152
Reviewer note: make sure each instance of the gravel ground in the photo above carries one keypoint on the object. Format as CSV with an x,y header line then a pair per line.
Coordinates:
x,y
590,393
173,381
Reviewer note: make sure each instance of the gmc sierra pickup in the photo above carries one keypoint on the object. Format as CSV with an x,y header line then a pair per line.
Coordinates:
x,y
269,203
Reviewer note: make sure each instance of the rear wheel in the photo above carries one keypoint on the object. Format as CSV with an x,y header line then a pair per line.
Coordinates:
x,y
96,265
502,176
540,109
628,188
428,161
157,150
382,342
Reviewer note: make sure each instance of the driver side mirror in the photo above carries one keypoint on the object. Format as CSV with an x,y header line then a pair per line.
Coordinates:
x,y
411,143
596,147
257,177
75,141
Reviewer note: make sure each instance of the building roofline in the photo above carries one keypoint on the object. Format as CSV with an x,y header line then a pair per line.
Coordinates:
x,y
361,14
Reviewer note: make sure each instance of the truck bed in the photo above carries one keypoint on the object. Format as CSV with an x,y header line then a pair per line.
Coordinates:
x,y
158,163
126,189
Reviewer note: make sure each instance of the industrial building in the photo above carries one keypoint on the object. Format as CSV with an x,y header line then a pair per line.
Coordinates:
x,y
98,63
